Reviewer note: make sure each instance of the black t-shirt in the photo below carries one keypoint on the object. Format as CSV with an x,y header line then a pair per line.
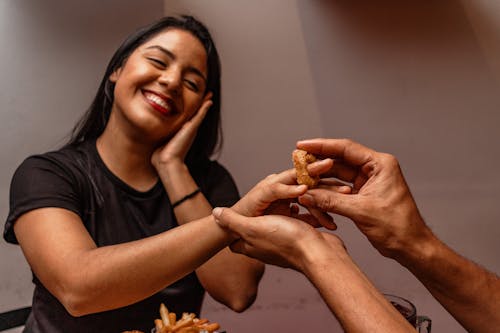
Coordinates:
x,y
75,178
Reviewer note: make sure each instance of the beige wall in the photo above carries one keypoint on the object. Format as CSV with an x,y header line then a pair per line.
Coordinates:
x,y
415,79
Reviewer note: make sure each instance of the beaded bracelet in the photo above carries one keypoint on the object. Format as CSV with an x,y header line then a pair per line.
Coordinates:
x,y
186,197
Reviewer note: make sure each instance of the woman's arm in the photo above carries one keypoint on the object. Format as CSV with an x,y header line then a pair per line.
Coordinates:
x,y
88,279
230,278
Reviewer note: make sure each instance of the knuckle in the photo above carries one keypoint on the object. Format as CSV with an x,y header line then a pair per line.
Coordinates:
x,y
390,160
270,177
324,203
273,190
347,141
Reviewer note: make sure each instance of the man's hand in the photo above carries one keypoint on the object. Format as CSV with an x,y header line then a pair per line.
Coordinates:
x,y
380,204
276,239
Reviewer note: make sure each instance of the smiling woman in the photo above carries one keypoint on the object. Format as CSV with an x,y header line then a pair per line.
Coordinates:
x,y
167,73
94,219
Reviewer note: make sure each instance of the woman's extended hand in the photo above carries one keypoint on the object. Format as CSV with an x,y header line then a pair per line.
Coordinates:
x,y
277,193
178,146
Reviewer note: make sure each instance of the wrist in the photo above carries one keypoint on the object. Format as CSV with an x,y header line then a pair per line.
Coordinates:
x,y
228,236
240,208
172,162
186,197
167,169
321,254
419,249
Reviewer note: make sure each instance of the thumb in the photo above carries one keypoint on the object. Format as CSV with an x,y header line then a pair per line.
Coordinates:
x,y
330,201
228,219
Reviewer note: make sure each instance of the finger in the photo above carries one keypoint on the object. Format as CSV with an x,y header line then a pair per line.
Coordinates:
x,y
352,152
320,167
328,201
343,171
241,247
323,218
200,115
288,176
208,96
339,169
309,219
359,182
188,131
334,185
228,219
279,191
315,217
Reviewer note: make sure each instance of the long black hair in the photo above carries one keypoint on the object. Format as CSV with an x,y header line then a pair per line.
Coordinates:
x,y
209,138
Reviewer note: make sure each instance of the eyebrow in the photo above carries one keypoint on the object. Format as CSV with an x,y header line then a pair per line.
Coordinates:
x,y
172,56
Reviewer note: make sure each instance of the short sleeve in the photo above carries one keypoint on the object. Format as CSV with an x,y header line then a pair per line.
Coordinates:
x,y
40,181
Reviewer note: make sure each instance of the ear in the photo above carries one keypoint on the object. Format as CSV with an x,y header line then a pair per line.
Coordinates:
x,y
115,75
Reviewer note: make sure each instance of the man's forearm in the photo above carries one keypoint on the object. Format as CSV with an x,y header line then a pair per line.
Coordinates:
x,y
469,292
356,303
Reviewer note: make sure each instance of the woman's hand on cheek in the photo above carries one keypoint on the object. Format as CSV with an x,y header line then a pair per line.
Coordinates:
x,y
176,149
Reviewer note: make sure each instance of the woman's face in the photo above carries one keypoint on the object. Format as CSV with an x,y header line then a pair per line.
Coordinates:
x,y
161,85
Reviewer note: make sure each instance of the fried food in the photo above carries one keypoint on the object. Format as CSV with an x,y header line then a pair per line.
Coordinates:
x,y
301,159
188,323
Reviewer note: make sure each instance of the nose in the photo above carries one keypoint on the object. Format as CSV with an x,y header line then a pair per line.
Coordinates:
x,y
171,78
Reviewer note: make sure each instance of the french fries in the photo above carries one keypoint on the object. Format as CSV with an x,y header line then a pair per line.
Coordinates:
x,y
188,323
165,316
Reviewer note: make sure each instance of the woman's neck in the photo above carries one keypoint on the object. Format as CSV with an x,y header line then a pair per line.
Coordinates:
x,y
128,159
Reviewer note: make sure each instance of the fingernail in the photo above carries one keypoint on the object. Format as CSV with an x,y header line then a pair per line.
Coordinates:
x,y
345,189
216,212
305,199
303,141
301,188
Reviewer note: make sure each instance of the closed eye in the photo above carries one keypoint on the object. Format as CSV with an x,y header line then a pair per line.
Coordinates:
x,y
158,62
192,85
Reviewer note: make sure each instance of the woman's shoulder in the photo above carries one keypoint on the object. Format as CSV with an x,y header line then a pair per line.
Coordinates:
x,y
65,159
51,179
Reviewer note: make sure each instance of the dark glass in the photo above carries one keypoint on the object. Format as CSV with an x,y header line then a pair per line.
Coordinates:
x,y
405,307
